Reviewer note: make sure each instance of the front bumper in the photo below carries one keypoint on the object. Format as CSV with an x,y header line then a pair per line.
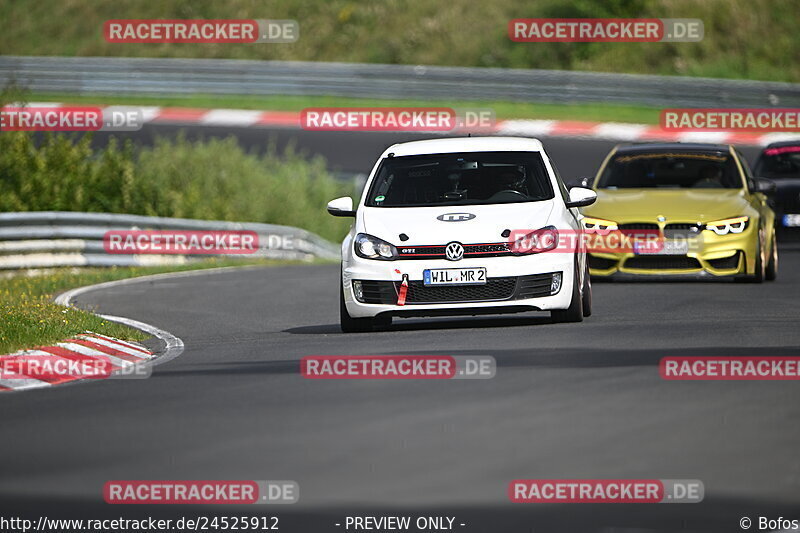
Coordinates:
x,y
711,255
515,283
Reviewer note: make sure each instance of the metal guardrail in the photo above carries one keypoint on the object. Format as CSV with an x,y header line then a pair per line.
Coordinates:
x,y
143,76
44,239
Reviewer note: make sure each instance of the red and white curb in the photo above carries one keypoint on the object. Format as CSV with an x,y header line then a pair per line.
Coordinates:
x,y
121,354
81,348
624,132
611,131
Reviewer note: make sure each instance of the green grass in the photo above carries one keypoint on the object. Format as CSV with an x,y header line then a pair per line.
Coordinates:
x,y
746,39
595,112
29,318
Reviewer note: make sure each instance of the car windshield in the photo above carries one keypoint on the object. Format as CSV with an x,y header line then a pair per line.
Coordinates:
x,y
671,170
460,179
779,162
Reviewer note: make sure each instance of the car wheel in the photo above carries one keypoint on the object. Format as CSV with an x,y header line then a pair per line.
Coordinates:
x,y
348,323
587,293
772,265
575,311
759,274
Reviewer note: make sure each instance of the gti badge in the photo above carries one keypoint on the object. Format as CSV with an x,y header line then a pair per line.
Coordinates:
x,y
455,217
454,251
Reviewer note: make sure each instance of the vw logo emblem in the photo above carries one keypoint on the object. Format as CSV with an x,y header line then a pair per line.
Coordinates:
x,y
454,251
662,218
455,217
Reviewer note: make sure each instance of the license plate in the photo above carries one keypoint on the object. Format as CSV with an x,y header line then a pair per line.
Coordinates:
x,y
791,220
661,247
454,276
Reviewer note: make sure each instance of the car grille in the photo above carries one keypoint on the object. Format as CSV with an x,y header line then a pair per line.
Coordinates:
x,y
534,286
485,248
653,226
638,225
662,262
687,226
601,263
470,250
725,262
378,292
495,289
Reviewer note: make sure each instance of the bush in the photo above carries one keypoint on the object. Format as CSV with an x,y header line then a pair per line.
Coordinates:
x,y
209,180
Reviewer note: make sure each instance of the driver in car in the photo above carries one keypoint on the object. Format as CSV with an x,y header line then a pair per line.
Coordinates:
x,y
710,178
512,180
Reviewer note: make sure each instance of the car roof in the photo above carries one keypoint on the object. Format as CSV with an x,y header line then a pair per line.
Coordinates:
x,y
448,145
692,147
793,142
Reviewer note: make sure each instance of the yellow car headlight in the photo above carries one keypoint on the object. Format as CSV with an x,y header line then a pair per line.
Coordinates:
x,y
598,225
728,225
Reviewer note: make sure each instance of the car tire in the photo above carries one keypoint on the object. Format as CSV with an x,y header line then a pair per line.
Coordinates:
x,y
574,313
760,272
348,323
587,293
772,266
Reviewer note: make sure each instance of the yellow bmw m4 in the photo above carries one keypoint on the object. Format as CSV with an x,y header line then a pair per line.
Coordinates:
x,y
710,215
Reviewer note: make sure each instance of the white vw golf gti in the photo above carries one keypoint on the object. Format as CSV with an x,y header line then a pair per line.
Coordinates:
x,y
462,226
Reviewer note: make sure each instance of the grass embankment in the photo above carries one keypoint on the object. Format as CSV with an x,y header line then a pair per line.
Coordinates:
x,y
746,39
28,316
595,112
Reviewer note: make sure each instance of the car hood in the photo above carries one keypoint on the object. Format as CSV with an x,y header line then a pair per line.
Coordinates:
x,y
423,227
632,205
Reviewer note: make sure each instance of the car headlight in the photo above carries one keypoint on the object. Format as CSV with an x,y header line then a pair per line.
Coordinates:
x,y
598,225
535,242
728,225
370,247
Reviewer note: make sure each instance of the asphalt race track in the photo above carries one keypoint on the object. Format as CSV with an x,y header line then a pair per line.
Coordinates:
x,y
569,401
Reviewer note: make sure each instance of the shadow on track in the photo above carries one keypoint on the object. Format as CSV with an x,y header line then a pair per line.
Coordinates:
x,y
434,323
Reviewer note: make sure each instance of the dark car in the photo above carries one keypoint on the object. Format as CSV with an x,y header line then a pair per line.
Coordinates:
x,y
780,162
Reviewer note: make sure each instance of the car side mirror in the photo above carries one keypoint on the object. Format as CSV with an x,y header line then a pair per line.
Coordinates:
x,y
583,182
765,185
341,207
581,197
